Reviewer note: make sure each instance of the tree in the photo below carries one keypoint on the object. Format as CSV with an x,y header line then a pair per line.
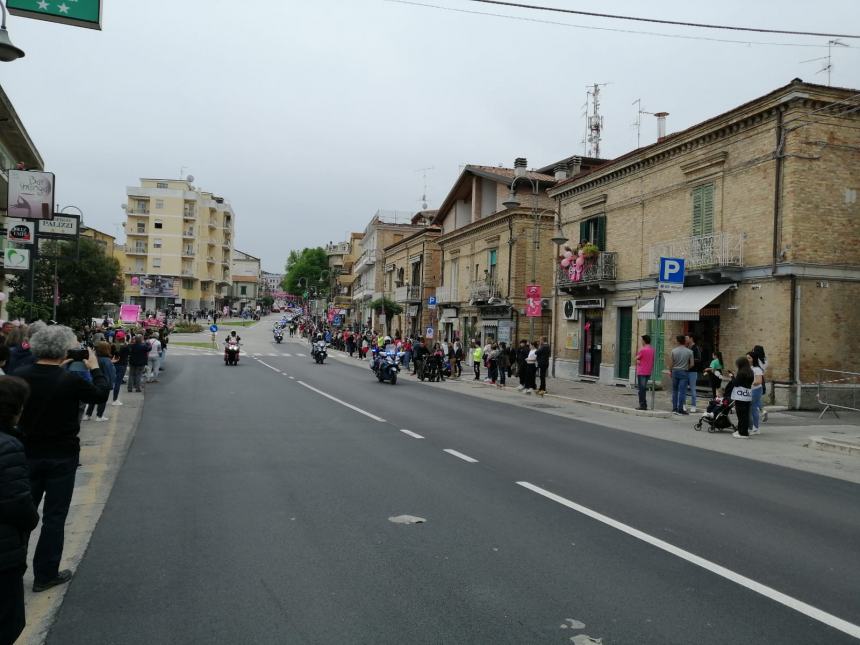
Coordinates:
x,y
267,301
388,307
309,263
87,279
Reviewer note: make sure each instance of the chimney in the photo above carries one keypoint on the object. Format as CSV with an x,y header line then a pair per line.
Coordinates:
x,y
575,166
520,164
560,171
661,125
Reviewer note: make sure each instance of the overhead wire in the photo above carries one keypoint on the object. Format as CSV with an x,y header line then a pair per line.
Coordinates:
x,y
639,32
660,21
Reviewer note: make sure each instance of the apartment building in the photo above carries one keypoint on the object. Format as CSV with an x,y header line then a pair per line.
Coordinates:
x,y
761,203
411,274
341,259
179,246
271,282
384,229
494,242
246,288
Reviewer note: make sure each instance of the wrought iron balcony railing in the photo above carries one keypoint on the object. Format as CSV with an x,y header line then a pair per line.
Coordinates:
x,y
701,251
600,268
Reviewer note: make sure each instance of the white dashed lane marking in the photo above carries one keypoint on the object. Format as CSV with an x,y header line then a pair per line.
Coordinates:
x,y
414,435
460,455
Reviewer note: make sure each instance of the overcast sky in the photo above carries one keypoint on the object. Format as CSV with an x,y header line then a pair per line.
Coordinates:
x,y
310,116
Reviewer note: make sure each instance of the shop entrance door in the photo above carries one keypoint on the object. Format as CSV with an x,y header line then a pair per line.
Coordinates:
x,y
625,338
592,345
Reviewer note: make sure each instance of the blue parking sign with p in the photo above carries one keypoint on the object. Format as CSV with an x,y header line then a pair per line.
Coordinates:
x,y
671,276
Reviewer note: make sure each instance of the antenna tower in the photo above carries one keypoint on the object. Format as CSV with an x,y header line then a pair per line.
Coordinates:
x,y
828,66
593,119
638,123
423,199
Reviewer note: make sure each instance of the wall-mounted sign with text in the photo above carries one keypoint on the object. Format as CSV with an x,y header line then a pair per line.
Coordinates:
x,y
31,194
62,227
16,259
19,231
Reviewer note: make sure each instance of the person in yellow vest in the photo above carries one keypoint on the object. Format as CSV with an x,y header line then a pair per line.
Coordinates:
x,y
477,355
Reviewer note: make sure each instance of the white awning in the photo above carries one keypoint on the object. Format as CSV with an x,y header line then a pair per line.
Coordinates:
x,y
686,304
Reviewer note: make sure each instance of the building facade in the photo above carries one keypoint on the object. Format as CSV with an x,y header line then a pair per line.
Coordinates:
x,y
179,246
493,244
384,229
16,146
761,203
246,288
411,274
342,257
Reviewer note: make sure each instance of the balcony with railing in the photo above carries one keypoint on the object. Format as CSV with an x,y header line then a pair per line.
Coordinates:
x,y
188,233
407,293
598,271
367,259
362,293
447,294
483,290
187,253
137,249
701,252
189,214
137,211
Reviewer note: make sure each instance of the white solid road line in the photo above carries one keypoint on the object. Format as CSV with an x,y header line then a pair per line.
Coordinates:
x,y
302,355
286,355
343,403
461,456
728,574
411,434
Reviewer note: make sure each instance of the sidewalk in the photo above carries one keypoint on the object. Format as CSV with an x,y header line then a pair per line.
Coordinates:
x,y
103,450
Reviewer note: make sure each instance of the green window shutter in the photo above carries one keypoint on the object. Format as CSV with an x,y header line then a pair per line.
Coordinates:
x,y
601,233
583,231
698,199
707,209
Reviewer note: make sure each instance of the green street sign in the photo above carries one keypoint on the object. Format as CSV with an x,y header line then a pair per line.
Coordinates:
x,y
78,13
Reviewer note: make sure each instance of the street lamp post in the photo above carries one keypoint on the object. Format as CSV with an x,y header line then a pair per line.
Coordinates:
x,y
520,174
8,51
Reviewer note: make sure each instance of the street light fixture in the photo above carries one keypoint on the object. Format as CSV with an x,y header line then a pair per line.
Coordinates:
x,y
8,51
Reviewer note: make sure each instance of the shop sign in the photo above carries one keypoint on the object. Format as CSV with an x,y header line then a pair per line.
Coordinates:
x,y
77,13
449,312
60,228
505,331
20,232
30,194
16,259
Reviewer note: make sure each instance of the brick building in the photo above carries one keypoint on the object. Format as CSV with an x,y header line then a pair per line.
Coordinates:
x,y
761,202
411,273
492,248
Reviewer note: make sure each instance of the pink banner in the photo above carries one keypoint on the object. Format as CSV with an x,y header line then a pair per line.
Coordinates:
x,y
533,301
129,313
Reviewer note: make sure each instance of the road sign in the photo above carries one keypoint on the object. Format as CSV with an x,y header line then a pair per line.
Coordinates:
x,y
77,13
16,259
659,305
431,302
430,333
213,328
671,277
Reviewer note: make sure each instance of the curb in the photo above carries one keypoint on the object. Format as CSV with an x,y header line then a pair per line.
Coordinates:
x,y
828,444
654,414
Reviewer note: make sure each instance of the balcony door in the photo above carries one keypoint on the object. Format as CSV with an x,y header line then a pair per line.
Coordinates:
x,y
593,230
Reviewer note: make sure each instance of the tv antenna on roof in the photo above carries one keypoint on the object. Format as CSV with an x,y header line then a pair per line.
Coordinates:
x,y
828,67
423,199
638,123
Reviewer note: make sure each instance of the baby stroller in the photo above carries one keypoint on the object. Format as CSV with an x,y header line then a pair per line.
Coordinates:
x,y
717,416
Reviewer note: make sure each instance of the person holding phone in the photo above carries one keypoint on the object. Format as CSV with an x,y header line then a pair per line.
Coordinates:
x,y
51,424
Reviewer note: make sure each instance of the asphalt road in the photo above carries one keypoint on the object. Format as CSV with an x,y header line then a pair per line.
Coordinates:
x,y
254,509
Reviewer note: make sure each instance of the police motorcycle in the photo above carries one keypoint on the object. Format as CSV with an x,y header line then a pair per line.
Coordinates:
x,y
318,350
386,362
279,334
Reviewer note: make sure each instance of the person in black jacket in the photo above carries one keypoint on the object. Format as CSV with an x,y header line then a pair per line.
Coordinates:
x,y
543,353
18,515
51,424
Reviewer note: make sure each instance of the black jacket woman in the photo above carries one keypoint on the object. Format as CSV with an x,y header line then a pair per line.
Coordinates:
x,y
18,515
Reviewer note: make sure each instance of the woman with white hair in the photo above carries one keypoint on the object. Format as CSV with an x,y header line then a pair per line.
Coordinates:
x,y
50,424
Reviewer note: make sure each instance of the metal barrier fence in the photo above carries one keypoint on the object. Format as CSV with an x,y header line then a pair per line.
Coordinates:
x,y
839,390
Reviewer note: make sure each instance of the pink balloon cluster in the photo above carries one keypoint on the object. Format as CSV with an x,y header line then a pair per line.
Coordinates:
x,y
573,265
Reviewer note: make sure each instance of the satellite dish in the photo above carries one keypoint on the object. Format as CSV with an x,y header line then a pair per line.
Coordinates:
x,y
189,178
124,207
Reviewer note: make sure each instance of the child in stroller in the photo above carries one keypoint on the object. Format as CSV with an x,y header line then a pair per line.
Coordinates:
x,y
717,414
